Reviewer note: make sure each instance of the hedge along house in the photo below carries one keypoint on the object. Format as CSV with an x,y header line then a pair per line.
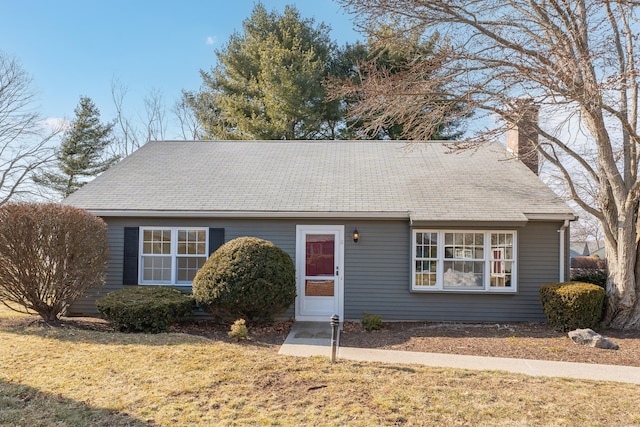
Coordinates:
x,y
407,231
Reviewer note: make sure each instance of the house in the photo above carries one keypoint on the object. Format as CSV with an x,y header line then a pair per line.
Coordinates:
x,y
578,249
407,231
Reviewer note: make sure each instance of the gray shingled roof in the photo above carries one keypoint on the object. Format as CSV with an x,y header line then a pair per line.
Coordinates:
x,y
422,180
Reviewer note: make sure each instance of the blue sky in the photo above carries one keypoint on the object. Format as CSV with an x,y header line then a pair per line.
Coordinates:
x,y
73,48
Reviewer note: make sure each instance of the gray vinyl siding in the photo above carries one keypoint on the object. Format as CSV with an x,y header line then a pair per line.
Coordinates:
x,y
377,269
384,286
281,233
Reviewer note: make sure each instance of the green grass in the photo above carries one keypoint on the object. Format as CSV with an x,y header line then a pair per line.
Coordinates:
x,y
69,377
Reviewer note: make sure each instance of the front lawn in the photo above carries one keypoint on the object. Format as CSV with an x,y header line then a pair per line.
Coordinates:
x,y
68,376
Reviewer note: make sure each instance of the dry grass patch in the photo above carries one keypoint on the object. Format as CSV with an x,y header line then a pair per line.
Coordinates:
x,y
8,314
70,376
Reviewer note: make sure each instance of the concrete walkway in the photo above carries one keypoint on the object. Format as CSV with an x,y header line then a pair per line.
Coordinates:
x,y
314,339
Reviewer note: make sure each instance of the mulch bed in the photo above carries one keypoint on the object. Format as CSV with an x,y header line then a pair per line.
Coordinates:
x,y
271,335
512,340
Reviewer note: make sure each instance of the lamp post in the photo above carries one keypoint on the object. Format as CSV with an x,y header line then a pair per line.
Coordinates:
x,y
335,322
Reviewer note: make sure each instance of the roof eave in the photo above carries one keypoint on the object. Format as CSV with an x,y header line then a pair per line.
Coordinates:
x,y
517,220
148,213
247,214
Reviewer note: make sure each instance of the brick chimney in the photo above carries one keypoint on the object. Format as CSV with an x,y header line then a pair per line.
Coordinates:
x,y
522,137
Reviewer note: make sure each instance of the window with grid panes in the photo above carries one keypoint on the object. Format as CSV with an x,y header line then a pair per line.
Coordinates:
x,y
172,255
463,260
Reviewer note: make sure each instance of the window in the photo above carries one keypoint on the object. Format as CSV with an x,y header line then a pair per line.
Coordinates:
x,y
464,261
171,256
426,259
501,260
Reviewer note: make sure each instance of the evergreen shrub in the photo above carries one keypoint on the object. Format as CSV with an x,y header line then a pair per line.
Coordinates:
x,y
238,330
150,309
572,305
371,322
247,278
596,278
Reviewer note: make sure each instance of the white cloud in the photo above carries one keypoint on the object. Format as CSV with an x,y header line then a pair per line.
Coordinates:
x,y
211,40
56,123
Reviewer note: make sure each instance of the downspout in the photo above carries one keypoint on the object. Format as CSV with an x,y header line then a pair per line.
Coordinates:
x,y
563,251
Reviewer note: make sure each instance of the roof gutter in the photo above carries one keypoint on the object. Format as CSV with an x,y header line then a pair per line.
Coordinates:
x,y
568,216
247,214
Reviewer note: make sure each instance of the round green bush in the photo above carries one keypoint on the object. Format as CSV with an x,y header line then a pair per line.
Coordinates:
x,y
572,305
148,309
246,278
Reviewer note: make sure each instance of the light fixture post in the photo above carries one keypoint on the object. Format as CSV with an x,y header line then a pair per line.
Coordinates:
x,y
335,322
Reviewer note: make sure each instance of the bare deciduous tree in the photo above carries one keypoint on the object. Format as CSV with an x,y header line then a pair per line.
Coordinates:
x,y
134,130
190,127
577,57
399,89
588,229
126,135
24,140
155,119
50,255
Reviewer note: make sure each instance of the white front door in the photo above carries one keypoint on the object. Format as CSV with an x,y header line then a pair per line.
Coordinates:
x,y
319,272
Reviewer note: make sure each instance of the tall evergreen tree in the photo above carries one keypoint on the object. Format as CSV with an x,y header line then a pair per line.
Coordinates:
x,y
82,152
268,81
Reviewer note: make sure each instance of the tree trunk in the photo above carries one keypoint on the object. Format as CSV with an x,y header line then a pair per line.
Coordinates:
x,y
48,314
623,305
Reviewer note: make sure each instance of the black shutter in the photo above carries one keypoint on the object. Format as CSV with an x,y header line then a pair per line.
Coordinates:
x,y
216,239
130,266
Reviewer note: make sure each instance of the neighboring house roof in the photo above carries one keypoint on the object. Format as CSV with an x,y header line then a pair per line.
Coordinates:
x,y
574,254
368,179
579,249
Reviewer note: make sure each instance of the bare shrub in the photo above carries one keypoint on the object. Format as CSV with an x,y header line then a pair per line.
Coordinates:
x,y
50,255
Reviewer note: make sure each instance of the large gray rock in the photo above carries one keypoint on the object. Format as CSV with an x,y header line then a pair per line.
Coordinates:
x,y
592,339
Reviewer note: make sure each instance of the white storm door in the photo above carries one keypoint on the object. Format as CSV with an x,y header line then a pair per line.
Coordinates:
x,y
319,272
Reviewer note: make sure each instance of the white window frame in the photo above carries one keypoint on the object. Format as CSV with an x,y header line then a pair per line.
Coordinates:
x,y
173,254
487,259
